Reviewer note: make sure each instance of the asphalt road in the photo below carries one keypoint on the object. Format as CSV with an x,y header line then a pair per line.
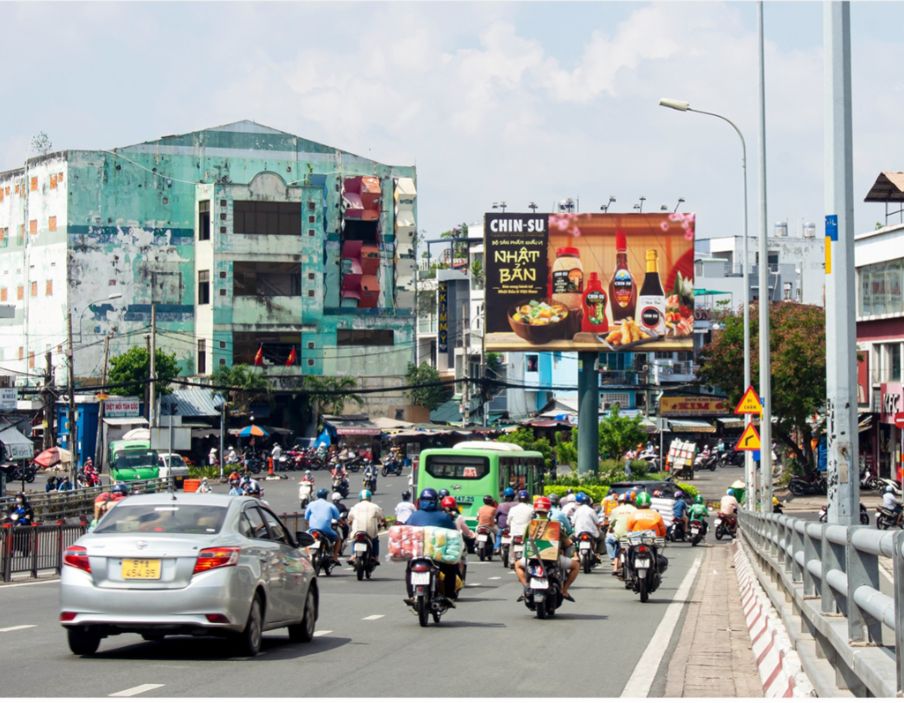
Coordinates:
x,y
368,642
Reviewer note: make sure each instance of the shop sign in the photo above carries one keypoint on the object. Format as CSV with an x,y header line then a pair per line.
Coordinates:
x,y
693,406
890,402
121,407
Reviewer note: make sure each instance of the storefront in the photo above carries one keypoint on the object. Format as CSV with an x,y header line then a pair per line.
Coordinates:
x,y
891,401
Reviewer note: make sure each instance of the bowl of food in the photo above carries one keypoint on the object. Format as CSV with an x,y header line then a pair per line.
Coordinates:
x,y
541,321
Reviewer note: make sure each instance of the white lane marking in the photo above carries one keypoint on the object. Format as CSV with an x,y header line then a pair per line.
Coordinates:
x,y
473,584
349,568
641,680
373,617
16,627
31,583
322,633
495,578
135,690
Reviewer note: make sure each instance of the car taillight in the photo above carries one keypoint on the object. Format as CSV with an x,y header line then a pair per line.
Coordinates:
x,y
217,618
67,616
78,557
215,558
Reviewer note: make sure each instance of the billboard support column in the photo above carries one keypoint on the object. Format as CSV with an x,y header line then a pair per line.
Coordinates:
x,y
588,413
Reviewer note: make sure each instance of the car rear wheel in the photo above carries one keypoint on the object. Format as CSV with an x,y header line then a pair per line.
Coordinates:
x,y
83,640
248,640
304,631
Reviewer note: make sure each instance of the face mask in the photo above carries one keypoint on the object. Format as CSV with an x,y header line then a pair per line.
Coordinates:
x,y
18,501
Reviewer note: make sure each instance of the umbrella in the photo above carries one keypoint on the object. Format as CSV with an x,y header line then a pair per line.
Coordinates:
x,y
52,457
253,431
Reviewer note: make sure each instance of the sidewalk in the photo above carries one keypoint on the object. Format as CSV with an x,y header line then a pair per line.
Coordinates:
x,y
713,656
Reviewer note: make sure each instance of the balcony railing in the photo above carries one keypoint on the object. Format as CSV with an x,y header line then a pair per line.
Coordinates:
x,y
427,324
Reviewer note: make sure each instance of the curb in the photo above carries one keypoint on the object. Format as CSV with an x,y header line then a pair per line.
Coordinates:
x,y
777,661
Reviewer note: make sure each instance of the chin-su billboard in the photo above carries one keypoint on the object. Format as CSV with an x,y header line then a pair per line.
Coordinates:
x,y
589,282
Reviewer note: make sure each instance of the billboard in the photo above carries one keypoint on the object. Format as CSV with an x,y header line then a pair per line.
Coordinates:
x,y
589,282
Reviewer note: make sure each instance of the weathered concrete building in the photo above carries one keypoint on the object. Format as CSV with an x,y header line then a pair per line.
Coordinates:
x,y
245,238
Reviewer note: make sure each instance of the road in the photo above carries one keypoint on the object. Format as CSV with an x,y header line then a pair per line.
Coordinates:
x,y
369,643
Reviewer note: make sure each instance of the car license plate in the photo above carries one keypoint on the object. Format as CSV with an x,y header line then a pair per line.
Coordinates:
x,y
420,579
140,569
585,546
695,530
360,547
642,564
539,584
315,544
481,538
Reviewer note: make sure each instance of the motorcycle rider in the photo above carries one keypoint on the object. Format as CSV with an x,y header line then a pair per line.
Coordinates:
x,y
343,518
486,516
679,510
618,528
610,502
699,511
450,505
728,504
645,518
404,509
231,456
567,566
889,502
204,487
520,515
370,474
556,513
428,514
502,511
306,486
585,520
367,517
320,515
339,471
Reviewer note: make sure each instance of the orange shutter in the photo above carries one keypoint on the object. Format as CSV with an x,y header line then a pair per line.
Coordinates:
x,y
48,287
20,295
34,182
32,226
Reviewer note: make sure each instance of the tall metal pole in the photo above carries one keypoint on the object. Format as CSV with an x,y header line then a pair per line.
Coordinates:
x,y
152,400
222,436
841,327
588,413
49,401
100,453
70,382
765,388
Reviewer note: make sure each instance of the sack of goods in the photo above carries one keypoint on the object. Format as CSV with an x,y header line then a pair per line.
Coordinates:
x,y
437,543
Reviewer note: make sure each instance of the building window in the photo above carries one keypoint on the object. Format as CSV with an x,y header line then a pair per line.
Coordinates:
x,y
203,287
20,292
894,362
881,287
266,278
533,363
204,220
258,217
32,226
34,183
48,287
3,295
276,347
364,338
202,357
51,223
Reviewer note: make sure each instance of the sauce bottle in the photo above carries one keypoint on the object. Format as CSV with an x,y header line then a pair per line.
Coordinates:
x,y
568,277
651,303
622,287
594,319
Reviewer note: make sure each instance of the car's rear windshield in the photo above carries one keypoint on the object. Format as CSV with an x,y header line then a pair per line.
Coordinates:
x,y
457,467
163,518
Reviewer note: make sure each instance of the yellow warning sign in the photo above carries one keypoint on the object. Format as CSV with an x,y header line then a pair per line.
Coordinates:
x,y
749,441
749,403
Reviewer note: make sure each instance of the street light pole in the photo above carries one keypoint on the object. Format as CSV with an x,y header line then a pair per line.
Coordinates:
x,y
683,106
73,440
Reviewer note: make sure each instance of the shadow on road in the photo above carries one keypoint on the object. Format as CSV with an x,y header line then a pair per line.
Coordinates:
x,y
579,616
462,623
185,649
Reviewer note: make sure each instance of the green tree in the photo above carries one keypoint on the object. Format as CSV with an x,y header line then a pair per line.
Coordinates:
x,y
525,439
430,396
566,449
245,385
798,357
130,372
329,394
619,433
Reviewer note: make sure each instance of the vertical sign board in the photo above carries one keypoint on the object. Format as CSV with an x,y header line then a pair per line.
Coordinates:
x,y
442,308
7,399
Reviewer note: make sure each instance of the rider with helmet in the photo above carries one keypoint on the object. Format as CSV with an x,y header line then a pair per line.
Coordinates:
x,y
320,515
502,511
645,518
586,520
698,511
618,528
889,502
728,505
519,517
569,567
404,508
556,513
679,510
367,517
429,514
486,515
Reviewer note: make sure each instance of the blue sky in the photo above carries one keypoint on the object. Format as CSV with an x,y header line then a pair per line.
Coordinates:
x,y
514,101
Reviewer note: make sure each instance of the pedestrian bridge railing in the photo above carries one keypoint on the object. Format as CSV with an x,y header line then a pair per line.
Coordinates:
x,y
850,604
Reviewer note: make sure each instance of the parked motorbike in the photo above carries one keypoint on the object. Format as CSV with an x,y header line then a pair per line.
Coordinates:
x,y
800,486
424,588
676,532
642,563
888,518
505,545
365,561
543,595
484,543
869,481
698,531
587,556
864,515
726,525
731,458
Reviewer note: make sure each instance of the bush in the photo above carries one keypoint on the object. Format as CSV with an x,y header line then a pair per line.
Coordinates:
x,y
198,471
689,489
596,492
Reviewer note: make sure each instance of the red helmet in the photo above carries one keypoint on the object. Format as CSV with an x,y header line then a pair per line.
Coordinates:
x,y
448,503
542,504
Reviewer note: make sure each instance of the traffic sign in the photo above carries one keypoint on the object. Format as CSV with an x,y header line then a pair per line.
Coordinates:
x,y
899,421
749,441
749,403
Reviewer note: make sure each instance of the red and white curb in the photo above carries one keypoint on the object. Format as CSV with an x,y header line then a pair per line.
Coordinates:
x,y
779,666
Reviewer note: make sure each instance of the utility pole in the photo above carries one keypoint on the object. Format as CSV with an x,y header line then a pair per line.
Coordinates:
x,y
147,394
152,400
49,398
222,435
70,381
841,328
100,450
466,389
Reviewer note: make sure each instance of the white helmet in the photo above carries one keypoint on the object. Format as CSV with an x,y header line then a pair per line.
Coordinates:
x,y
336,496
889,489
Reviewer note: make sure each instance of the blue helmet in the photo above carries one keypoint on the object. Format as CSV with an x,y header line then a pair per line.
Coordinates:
x,y
428,500
523,496
729,492
508,493
322,493
443,492
120,488
582,497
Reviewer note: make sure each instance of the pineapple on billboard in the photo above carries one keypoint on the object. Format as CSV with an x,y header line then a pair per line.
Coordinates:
x,y
589,282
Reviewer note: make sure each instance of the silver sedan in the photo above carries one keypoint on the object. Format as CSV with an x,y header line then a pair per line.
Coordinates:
x,y
199,564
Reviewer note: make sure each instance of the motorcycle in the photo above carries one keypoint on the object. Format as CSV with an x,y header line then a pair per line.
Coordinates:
x,y
800,486
505,545
282,464
392,466
896,487
424,588
484,543
354,464
698,531
85,480
543,596
676,532
340,486
868,481
370,483
864,515
305,491
652,459
322,549
888,518
642,562
365,561
585,551
726,525
731,458
517,549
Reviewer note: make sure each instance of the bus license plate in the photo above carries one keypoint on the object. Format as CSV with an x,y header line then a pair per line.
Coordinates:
x,y
140,569
420,579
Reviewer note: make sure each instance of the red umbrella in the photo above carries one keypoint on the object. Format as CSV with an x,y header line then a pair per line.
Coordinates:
x,y
52,457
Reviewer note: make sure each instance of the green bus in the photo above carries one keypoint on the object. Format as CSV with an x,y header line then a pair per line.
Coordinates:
x,y
132,460
471,470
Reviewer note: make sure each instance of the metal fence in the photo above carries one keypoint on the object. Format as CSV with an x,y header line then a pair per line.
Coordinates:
x,y
831,578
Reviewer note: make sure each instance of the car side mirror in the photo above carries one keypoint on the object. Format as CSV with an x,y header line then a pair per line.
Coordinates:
x,y
304,539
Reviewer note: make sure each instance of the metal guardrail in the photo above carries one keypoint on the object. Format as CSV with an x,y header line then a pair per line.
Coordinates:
x,y
831,576
56,505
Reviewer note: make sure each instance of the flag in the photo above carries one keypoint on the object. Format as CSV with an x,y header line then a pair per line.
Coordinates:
x,y
259,357
293,357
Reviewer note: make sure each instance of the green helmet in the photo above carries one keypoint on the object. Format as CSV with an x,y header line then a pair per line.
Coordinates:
x,y
643,500
699,500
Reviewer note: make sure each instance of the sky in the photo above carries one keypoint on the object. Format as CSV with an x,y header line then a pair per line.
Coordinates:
x,y
514,101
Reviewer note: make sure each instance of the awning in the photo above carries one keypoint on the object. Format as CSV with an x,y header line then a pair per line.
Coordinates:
x,y
17,445
358,431
731,423
691,426
125,421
